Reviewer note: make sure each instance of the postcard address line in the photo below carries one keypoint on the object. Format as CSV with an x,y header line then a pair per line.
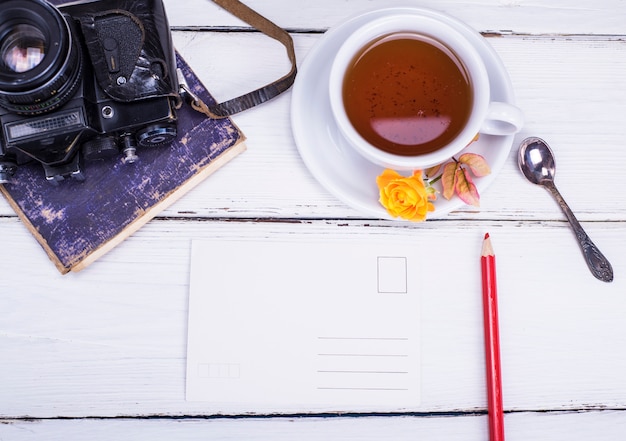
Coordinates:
x,y
343,354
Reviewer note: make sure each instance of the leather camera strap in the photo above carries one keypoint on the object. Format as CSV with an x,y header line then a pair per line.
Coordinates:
x,y
265,93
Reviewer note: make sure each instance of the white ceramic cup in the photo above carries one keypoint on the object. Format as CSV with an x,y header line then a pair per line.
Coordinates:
x,y
486,116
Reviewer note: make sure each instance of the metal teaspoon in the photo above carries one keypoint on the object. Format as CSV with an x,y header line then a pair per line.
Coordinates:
x,y
536,161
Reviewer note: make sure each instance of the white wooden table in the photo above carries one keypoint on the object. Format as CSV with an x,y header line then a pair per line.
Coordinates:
x,y
100,355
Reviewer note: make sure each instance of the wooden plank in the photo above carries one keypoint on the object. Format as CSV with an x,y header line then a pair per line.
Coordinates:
x,y
574,17
577,109
566,426
110,341
77,222
551,96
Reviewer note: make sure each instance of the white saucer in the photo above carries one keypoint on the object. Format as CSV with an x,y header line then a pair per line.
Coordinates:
x,y
343,171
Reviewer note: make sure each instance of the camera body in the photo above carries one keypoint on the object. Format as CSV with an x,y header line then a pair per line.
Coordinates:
x,y
85,81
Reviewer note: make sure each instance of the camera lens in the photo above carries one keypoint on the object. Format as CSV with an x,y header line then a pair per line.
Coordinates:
x,y
40,60
23,48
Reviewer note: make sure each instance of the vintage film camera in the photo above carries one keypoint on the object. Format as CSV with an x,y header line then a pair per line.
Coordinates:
x,y
88,80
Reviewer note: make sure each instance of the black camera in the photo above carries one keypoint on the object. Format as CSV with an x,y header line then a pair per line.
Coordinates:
x,y
85,81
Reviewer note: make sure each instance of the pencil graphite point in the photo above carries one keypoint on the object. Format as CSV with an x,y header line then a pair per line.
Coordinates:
x,y
486,236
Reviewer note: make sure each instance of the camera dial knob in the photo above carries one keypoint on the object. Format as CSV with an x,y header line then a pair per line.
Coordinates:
x,y
100,148
157,134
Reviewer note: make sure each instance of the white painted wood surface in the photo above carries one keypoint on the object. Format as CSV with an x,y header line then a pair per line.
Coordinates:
x,y
100,354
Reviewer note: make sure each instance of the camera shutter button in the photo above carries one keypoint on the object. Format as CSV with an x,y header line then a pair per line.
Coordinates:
x,y
111,53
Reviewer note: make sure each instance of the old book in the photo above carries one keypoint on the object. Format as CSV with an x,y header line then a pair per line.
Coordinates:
x,y
78,222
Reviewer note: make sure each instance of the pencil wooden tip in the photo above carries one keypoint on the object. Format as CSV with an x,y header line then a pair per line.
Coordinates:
x,y
487,248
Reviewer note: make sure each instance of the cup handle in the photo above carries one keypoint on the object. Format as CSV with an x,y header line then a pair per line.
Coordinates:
x,y
502,119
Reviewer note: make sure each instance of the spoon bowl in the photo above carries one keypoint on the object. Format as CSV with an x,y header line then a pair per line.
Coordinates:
x,y
536,161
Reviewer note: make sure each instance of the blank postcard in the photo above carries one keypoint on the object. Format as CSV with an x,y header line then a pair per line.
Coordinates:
x,y
300,323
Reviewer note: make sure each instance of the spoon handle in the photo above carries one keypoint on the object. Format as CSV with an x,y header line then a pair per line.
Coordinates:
x,y
597,263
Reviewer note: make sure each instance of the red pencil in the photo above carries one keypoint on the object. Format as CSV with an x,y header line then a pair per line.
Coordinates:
x,y
492,342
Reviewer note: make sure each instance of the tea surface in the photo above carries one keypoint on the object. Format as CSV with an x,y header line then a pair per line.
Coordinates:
x,y
407,94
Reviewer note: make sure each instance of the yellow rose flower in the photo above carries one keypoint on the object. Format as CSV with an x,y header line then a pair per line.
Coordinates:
x,y
405,197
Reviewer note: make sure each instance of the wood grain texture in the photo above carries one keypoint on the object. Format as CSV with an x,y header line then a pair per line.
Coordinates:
x,y
562,426
110,341
587,17
577,110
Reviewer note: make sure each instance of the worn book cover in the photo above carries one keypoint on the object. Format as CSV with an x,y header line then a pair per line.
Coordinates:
x,y
77,222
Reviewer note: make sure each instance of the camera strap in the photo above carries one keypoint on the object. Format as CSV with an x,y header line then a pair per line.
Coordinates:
x,y
265,93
